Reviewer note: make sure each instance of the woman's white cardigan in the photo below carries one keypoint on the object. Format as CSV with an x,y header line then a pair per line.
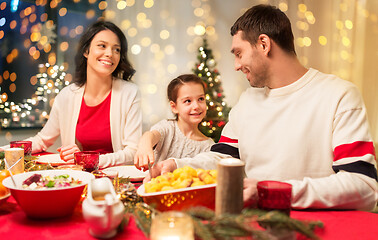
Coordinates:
x,y
125,122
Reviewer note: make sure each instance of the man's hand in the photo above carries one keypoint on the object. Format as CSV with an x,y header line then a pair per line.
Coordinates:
x,y
160,168
250,196
67,152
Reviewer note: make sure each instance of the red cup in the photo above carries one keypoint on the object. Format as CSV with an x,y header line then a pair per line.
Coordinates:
x,y
274,195
26,145
88,159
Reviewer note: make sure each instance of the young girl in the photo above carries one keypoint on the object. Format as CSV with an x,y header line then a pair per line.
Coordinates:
x,y
178,137
100,109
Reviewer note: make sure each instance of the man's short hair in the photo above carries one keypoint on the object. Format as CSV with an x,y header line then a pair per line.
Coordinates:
x,y
269,20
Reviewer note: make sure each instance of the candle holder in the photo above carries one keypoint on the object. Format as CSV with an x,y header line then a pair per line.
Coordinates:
x,y
88,159
26,145
274,195
172,225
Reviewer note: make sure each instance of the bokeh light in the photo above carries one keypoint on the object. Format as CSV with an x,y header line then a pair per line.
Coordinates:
x,y
146,41
13,24
132,32
125,24
62,12
136,49
121,5
199,29
12,87
90,14
64,46
322,40
3,5
148,3
13,77
164,34
33,80
2,21
102,5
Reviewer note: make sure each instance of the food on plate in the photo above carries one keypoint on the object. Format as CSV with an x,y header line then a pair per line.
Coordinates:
x,y
3,190
181,178
37,181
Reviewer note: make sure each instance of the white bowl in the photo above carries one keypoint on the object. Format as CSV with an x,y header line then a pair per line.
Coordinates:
x,y
48,203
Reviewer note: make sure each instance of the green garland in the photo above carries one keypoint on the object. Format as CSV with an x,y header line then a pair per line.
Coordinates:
x,y
207,226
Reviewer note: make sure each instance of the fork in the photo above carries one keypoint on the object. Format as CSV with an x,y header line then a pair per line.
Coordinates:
x,y
149,169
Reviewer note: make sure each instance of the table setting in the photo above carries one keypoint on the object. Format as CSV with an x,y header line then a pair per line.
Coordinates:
x,y
113,203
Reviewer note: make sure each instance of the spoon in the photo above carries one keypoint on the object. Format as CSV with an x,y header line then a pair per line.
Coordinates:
x,y
9,169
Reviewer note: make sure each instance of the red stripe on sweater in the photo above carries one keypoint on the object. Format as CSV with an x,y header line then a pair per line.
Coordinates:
x,y
356,149
224,139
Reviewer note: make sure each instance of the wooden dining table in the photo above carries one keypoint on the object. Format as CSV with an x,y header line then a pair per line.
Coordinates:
x,y
15,225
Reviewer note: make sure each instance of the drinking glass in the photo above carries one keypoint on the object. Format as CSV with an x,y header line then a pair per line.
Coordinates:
x,y
26,145
88,159
274,195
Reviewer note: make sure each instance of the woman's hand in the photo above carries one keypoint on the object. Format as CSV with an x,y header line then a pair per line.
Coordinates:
x,y
250,196
67,152
160,168
142,157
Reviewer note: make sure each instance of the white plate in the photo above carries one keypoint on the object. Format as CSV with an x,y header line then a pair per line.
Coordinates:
x,y
53,159
132,172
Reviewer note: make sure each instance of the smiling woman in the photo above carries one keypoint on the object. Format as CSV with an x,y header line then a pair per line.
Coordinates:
x,y
100,109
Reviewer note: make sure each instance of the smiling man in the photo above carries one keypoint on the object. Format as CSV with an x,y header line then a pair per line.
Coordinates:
x,y
294,124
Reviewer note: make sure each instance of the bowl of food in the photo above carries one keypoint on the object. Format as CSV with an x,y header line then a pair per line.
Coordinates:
x,y
48,193
183,188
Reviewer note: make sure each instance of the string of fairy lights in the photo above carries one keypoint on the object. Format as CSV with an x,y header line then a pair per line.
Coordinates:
x,y
48,82
41,33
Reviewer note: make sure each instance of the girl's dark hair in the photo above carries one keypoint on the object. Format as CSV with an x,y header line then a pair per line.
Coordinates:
x,y
269,20
175,84
124,69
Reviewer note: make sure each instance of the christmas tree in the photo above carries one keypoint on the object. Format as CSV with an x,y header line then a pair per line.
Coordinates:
x,y
217,109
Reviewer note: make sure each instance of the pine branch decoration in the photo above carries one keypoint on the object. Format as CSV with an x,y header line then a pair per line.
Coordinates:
x,y
207,226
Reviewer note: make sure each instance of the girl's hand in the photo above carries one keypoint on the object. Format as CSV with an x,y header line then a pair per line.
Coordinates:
x,y
143,157
67,152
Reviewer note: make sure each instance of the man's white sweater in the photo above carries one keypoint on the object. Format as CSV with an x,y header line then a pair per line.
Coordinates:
x,y
313,134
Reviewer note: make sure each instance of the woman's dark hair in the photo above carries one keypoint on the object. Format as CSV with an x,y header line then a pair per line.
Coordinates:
x,y
175,84
269,20
124,69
